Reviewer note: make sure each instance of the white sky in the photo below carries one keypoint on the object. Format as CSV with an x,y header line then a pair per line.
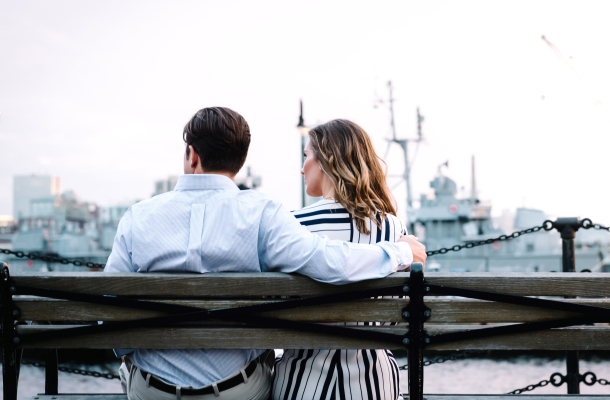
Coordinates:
x,y
98,92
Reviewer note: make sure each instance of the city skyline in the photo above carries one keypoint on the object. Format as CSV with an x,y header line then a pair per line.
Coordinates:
x,y
99,97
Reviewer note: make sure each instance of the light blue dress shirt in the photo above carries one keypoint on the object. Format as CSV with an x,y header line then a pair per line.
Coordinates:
x,y
208,225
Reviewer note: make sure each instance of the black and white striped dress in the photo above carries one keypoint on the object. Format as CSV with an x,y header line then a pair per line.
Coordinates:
x,y
364,374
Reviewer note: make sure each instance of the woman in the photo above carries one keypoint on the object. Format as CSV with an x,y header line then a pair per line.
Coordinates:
x,y
342,167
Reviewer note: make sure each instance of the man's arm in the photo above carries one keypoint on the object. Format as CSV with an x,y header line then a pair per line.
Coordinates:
x,y
286,246
120,257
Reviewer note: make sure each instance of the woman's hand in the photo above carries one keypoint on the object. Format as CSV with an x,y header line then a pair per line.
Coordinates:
x,y
418,249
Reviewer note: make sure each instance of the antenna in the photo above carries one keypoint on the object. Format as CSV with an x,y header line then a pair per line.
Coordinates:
x,y
473,189
404,144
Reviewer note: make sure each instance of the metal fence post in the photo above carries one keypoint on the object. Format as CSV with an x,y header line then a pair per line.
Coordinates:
x,y
416,338
9,352
568,227
50,372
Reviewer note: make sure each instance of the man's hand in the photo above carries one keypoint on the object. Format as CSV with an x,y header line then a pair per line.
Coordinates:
x,y
418,249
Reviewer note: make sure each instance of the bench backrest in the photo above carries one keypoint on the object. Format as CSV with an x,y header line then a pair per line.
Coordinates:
x,y
226,290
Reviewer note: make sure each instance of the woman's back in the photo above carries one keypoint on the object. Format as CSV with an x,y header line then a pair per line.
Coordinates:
x,y
365,374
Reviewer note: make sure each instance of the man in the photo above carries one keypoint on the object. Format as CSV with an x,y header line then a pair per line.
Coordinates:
x,y
208,225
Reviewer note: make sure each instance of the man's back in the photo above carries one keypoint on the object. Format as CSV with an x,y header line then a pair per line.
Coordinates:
x,y
206,225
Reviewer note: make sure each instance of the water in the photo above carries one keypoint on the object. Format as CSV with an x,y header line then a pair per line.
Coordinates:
x,y
469,376
484,376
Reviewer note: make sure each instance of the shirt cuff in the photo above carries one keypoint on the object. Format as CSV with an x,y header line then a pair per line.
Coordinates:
x,y
406,256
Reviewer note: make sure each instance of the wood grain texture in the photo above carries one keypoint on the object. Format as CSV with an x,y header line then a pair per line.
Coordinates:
x,y
81,396
271,283
382,310
107,396
573,338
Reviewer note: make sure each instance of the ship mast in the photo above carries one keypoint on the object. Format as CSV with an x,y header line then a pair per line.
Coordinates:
x,y
404,144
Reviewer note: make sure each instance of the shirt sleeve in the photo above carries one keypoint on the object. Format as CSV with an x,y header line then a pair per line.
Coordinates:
x,y
286,246
120,257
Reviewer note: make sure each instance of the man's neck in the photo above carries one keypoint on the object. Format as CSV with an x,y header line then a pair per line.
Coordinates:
x,y
223,173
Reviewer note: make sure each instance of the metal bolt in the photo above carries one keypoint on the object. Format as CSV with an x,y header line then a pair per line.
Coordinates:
x,y
13,289
427,288
15,313
406,289
16,340
427,340
406,314
427,313
406,341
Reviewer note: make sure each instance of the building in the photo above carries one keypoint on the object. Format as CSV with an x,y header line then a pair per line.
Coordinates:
x,y
165,185
28,187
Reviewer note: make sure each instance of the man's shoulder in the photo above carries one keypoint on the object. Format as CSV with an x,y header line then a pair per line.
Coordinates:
x,y
153,201
243,197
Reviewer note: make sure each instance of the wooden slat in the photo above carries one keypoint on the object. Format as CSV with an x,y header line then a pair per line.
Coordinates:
x,y
459,311
382,310
573,338
34,309
106,396
511,396
270,283
81,396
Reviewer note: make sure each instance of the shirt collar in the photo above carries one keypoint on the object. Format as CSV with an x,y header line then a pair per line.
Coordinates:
x,y
205,182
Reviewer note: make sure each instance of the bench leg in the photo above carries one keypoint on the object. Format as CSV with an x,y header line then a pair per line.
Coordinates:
x,y
10,364
416,334
572,372
50,372
9,372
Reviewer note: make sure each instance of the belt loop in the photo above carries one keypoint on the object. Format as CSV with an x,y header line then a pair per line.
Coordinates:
x,y
244,375
216,392
148,374
178,392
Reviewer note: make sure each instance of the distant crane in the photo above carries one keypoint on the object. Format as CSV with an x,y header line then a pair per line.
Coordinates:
x,y
404,144
566,61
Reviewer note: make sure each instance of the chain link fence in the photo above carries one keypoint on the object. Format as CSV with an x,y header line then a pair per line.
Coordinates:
x,y
70,370
557,379
546,226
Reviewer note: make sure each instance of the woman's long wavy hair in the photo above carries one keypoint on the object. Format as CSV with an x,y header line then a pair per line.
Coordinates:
x,y
347,156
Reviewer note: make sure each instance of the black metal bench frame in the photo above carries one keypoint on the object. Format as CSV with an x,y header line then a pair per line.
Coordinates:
x,y
416,313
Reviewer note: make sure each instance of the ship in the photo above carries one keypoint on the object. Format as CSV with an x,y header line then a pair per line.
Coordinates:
x,y
444,220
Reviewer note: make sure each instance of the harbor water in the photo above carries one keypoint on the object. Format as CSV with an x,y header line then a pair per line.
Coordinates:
x,y
467,376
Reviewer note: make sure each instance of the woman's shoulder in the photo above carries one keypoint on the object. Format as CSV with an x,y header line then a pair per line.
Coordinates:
x,y
317,208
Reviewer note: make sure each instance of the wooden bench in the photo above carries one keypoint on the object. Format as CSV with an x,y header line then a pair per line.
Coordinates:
x,y
290,328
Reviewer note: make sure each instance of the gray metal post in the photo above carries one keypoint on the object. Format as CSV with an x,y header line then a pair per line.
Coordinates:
x,y
568,227
303,190
416,337
9,352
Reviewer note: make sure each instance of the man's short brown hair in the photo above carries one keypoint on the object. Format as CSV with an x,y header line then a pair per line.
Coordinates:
x,y
220,137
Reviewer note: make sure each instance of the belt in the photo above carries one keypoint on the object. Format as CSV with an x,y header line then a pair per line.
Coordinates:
x,y
222,386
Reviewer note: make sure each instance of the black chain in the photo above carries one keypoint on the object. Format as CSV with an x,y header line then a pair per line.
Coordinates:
x,y
557,379
439,360
587,224
32,256
546,225
77,371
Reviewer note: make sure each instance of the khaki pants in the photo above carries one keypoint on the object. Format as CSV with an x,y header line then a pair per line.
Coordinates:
x,y
257,388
